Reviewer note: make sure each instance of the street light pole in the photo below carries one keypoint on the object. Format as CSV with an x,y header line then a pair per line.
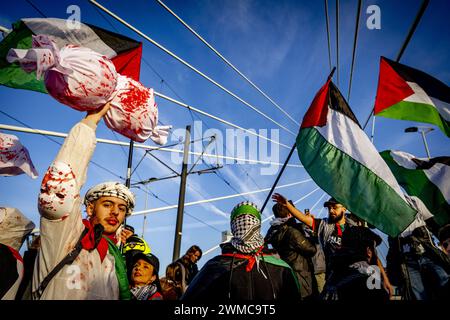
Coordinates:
x,y
426,144
180,211
423,131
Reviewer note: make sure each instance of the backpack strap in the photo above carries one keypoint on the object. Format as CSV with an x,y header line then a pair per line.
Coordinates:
x,y
68,259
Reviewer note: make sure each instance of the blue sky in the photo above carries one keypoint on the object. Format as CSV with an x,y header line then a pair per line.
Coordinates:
x,y
279,45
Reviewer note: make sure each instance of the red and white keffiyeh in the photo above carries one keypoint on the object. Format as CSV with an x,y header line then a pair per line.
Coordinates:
x,y
14,157
85,80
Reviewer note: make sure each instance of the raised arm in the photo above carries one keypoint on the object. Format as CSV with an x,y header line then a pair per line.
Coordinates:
x,y
308,220
60,188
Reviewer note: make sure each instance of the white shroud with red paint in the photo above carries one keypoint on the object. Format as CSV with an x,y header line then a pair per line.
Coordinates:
x,y
85,80
14,157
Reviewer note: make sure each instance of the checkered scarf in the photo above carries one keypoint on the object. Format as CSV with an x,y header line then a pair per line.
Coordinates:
x,y
144,292
110,189
246,233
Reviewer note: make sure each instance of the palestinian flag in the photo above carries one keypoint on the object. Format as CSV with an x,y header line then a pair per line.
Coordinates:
x,y
124,52
428,180
406,93
340,158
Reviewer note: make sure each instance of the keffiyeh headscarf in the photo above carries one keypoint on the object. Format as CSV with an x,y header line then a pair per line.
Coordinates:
x,y
245,227
111,189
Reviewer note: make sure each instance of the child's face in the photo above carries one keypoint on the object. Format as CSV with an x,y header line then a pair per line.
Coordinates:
x,y
142,273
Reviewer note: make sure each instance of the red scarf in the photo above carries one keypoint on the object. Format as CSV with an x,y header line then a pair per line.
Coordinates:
x,y
88,241
250,257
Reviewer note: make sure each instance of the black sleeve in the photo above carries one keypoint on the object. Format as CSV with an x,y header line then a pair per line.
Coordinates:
x,y
316,223
299,243
290,290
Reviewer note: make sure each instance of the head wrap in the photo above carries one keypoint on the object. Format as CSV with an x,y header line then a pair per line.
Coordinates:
x,y
111,189
245,207
245,227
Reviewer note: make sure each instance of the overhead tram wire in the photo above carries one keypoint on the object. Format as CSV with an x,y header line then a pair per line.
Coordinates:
x,y
148,191
328,33
36,8
141,146
221,198
59,143
355,41
185,105
411,31
190,66
227,151
337,42
226,61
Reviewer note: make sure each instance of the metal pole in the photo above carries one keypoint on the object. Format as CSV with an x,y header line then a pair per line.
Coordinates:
x,y
373,129
180,211
426,144
130,163
406,42
287,160
128,180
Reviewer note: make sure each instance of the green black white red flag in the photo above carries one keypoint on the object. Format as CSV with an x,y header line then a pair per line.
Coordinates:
x,y
125,53
406,93
341,159
429,180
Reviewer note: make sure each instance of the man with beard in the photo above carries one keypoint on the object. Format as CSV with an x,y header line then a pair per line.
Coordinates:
x,y
79,258
329,230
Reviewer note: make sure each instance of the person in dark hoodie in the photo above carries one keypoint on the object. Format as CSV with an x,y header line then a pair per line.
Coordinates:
x,y
288,238
355,275
245,270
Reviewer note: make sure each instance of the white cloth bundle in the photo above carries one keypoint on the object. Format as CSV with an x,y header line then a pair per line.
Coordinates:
x,y
85,80
14,157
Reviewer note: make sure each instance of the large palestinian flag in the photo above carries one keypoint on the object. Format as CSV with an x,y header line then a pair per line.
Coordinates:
x,y
406,93
429,180
340,158
124,52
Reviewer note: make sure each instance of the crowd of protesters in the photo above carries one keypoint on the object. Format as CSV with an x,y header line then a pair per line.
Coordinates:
x,y
301,258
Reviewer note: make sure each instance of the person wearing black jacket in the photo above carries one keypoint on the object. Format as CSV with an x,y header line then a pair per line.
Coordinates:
x,y
288,238
246,270
355,274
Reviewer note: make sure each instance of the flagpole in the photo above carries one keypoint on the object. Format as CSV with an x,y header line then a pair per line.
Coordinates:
x,y
416,21
287,160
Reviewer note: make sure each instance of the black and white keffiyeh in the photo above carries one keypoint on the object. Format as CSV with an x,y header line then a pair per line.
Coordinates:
x,y
144,292
246,233
111,189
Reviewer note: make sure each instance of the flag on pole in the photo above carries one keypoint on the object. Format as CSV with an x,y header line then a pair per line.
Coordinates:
x,y
429,180
124,52
406,93
340,158
14,157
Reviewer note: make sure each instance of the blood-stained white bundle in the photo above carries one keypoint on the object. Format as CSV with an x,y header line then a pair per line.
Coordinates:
x,y
85,80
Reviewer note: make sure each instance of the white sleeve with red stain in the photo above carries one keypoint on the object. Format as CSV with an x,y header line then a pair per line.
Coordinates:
x,y
60,188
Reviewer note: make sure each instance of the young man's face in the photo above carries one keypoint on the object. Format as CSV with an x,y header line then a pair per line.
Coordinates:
x,y
336,212
446,246
109,212
142,273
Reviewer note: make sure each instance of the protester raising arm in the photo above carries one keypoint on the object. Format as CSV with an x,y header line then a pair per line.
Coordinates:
x,y
66,175
308,220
